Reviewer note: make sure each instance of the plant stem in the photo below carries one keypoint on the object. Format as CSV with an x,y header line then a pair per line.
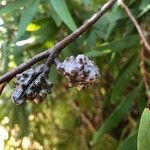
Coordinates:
x,y
59,46
130,15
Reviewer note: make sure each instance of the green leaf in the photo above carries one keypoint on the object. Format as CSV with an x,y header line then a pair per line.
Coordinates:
x,y
121,44
24,120
20,116
53,75
123,80
97,53
110,20
145,10
147,61
63,12
13,6
27,17
46,30
143,4
86,2
144,7
144,131
54,15
130,143
115,46
107,142
18,54
91,40
117,115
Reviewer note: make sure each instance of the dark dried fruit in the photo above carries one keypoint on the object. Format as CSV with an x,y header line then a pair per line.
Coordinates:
x,y
80,71
32,85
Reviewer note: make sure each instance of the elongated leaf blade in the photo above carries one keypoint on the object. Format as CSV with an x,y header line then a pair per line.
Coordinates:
x,y
97,53
54,15
123,80
115,46
144,131
116,116
27,17
130,143
121,44
63,12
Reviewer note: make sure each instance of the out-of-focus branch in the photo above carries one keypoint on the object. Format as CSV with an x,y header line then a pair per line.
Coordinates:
x,y
130,15
85,120
144,74
54,51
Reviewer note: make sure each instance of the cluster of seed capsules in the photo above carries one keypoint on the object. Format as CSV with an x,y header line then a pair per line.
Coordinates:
x,y
33,84
80,71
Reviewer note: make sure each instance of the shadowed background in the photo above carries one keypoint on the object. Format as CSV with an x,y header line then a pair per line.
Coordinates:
x,y
107,113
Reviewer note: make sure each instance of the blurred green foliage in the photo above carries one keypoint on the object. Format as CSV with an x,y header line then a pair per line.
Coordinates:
x,y
105,115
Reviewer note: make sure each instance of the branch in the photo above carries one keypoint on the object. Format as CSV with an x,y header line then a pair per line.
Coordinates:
x,y
130,15
85,120
59,46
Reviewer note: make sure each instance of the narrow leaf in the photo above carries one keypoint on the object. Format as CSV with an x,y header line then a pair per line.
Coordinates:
x,y
144,131
97,53
117,115
123,80
27,17
130,143
63,12
115,46
91,40
121,44
54,14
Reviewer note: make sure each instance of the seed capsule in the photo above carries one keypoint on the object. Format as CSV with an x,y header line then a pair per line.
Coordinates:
x,y
31,84
79,70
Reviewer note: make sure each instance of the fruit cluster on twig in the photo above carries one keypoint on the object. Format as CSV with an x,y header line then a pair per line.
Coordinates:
x,y
34,85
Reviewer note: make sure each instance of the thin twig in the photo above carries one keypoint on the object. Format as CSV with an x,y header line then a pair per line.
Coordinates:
x,y
2,86
59,46
85,120
144,74
130,15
